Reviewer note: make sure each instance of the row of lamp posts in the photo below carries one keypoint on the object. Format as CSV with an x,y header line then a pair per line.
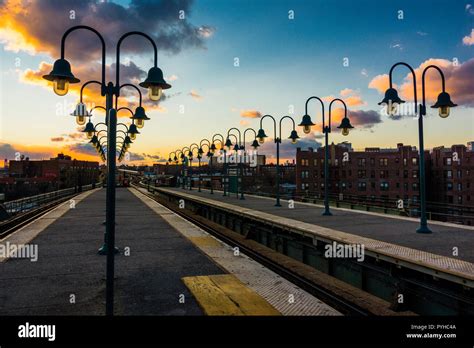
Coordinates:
x,y
392,102
226,144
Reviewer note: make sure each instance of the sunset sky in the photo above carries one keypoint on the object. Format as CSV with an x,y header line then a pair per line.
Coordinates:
x,y
329,49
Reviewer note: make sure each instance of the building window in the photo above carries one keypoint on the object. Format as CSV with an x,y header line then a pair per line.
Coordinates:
x,y
336,162
459,174
372,185
361,186
397,160
449,174
372,174
414,174
414,161
384,174
459,199
372,161
384,186
448,161
459,187
304,162
361,162
414,186
450,186
304,174
404,161
383,162
315,162
361,174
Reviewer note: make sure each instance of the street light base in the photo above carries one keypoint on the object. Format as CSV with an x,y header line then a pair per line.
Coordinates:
x,y
424,229
103,250
277,205
327,213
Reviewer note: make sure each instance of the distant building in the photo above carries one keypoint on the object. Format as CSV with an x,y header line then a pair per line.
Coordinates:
x,y
27,177
451,181
387,175
374,173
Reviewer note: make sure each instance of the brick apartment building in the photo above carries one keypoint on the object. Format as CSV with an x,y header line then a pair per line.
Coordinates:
x,y
451,181
375,173
386,175
27,177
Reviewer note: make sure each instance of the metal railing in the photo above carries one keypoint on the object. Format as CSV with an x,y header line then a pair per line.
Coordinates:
x,y
28,203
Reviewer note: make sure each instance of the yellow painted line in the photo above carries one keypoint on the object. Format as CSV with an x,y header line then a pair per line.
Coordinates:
x,y
225,294
205,241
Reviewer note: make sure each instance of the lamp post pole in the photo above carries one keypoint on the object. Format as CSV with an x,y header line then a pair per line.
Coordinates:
x,y
237,147
254,145
444,103
62,76
191,156
185,160
229,144
225,159
293,136
209,155
345,125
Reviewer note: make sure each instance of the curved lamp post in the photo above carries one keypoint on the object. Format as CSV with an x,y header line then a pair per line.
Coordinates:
x,y
231,147
255,145
184,160
61,76
237,147
209,155
213,149
443,104
261,139
345,125
192,147
178,153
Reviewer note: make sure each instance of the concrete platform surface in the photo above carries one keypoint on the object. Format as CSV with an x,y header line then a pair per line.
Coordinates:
x,y
445,240
69,276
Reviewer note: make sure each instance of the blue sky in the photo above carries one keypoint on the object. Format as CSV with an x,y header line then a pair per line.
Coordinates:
x,y
282,62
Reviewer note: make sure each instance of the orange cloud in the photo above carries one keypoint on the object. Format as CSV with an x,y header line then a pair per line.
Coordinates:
x,y
458,81
347,92
35,152
354,100
469,39
244,123
195,95
351,97
380,83
250,113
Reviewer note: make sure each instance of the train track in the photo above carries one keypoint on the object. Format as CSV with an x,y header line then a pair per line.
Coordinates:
x,y
18,221
336,302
